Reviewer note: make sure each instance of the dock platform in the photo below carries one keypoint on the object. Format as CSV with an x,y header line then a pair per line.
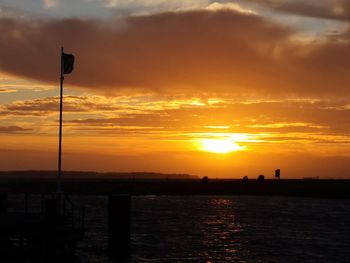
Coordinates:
x,y
49,234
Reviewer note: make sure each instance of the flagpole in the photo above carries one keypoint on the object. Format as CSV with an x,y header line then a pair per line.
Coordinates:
x,y
59,174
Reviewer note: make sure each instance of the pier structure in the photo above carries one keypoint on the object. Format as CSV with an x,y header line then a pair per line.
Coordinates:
x,y
46,229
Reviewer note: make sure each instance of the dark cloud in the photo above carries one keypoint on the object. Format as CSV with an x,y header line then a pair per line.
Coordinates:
x,y
282,117
5,90
103,115
202,50
49,105
13,129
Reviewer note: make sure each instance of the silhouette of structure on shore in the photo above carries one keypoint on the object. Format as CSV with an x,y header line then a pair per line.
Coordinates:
x,y
278,173
261,178
205,180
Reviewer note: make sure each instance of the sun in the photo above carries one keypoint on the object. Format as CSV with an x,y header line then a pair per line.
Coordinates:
x,y
220,146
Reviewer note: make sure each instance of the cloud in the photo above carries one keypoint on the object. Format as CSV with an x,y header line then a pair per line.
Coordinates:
x,y
103,9
49,105
220,51
321,119
10,12
173,113
328,9
134,7
50,3
215,6
5,90
12,129
324,119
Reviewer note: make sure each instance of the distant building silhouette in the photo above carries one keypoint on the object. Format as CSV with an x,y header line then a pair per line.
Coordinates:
x,y
205,180
261,178
245,179
278,174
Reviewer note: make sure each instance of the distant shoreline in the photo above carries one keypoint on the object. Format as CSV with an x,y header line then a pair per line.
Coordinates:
x,y
285,187
88,175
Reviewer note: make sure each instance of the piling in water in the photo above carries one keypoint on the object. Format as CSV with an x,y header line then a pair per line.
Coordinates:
x,y
119,225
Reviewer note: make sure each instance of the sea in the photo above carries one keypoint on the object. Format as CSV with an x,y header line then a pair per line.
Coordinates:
x,y
223,229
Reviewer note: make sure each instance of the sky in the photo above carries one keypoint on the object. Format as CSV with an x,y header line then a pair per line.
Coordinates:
x,y
210,88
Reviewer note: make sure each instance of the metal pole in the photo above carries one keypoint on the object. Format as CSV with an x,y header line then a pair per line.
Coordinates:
x,y
59,175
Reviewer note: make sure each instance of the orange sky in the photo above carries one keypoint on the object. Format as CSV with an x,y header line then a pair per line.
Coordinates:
x,y
224,89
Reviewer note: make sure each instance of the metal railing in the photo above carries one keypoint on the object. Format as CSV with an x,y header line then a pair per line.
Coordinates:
x,y
73,215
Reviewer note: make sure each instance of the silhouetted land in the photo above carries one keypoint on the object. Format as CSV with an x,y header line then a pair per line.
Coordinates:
x,y
75,175
173,185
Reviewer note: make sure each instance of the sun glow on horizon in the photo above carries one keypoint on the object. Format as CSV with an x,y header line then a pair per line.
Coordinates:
x,y
222,146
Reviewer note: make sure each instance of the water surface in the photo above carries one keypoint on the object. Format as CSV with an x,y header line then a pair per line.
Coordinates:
x,y
225,229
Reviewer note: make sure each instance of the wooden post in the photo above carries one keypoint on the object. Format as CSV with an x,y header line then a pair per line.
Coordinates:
x,y
119,225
